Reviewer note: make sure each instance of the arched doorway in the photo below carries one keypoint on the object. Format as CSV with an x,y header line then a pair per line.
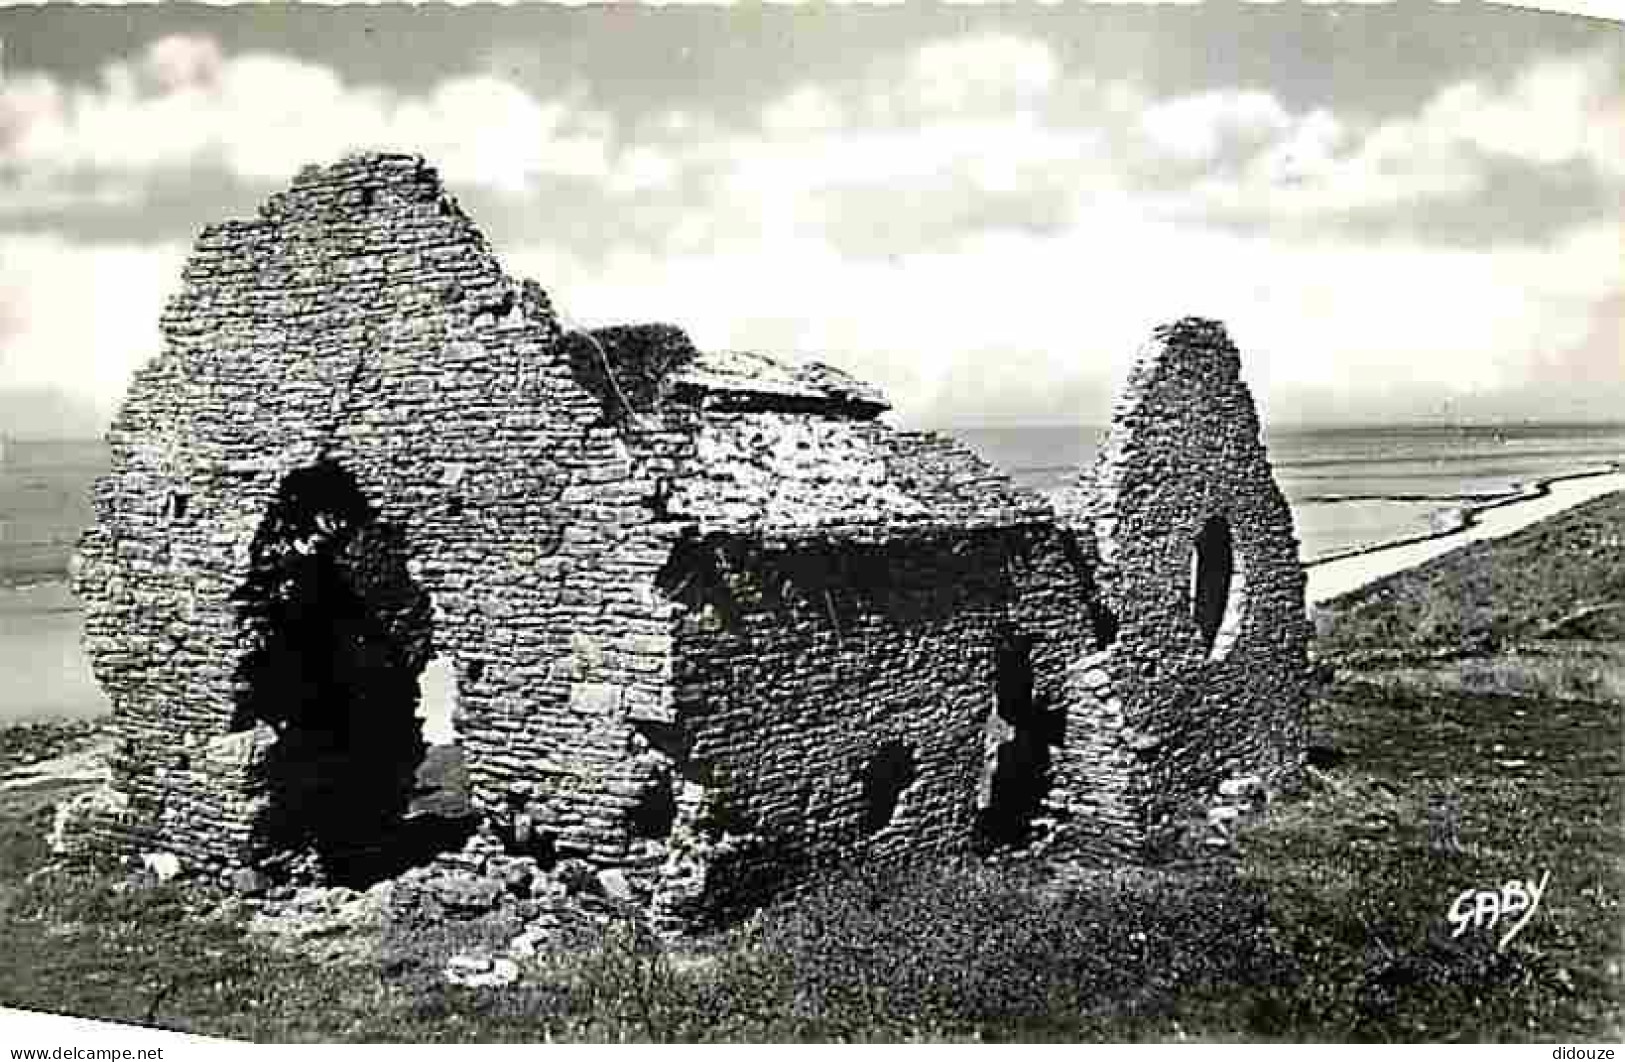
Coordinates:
x,y
1019,771
337,633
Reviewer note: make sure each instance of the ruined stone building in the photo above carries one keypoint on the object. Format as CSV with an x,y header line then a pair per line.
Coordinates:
x,y
711,620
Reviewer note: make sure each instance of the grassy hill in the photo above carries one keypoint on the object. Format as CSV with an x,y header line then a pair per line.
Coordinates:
x,y
1539,613
1562,578
1323,918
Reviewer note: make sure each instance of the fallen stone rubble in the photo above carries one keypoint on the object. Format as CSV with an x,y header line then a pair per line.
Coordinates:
x,y
549,906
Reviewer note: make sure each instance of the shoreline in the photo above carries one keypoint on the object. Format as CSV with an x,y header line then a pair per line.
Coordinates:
x,y
38,597
1468,513
1349,570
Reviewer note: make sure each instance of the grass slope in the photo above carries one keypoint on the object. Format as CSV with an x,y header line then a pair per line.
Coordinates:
x,y
1561,577
1327,920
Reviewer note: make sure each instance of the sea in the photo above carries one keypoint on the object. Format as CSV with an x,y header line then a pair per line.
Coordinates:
x,y
1354,488
1349,489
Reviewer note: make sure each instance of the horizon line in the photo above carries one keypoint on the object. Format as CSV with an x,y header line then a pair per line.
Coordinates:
x,y
1008,425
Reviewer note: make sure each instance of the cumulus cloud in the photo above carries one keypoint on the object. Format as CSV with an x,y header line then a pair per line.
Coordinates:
x,y
969,212
1042,309
954,128
1556,110
991,117
1559,110
1196,127
182,60
181,103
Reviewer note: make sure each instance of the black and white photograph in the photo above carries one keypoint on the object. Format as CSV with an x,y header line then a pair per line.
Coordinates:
x,y
811,523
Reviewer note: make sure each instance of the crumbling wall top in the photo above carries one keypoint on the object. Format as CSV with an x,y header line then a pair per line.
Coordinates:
x,y
783,478
747,380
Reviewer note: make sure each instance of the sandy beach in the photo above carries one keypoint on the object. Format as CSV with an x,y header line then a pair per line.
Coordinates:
x,y
1339,575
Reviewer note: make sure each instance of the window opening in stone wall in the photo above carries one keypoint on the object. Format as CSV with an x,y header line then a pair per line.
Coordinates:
x,y
179,503
1213,584
696,576
437,702
440,816
671,739
655,812
338,633
1102,624
884,778
654,815
1020,765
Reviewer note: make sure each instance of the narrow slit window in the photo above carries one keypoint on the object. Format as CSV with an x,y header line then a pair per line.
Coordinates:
x,y
1215,586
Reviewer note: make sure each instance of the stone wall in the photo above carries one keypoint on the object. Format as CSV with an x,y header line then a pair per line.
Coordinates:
x,y
1208,671
361,324
711,622
843,702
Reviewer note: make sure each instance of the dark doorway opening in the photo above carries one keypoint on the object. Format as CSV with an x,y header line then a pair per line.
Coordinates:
x,y
337,634
1102,624
1213,566
655,812
890,771
1020,767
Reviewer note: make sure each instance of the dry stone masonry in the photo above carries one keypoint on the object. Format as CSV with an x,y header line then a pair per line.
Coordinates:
x,y
713,625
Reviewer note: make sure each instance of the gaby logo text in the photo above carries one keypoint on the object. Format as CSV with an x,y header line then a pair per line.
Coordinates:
x,y
1488,908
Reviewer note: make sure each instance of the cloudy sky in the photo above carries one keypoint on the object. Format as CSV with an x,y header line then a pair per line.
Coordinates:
x,y
1403,214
